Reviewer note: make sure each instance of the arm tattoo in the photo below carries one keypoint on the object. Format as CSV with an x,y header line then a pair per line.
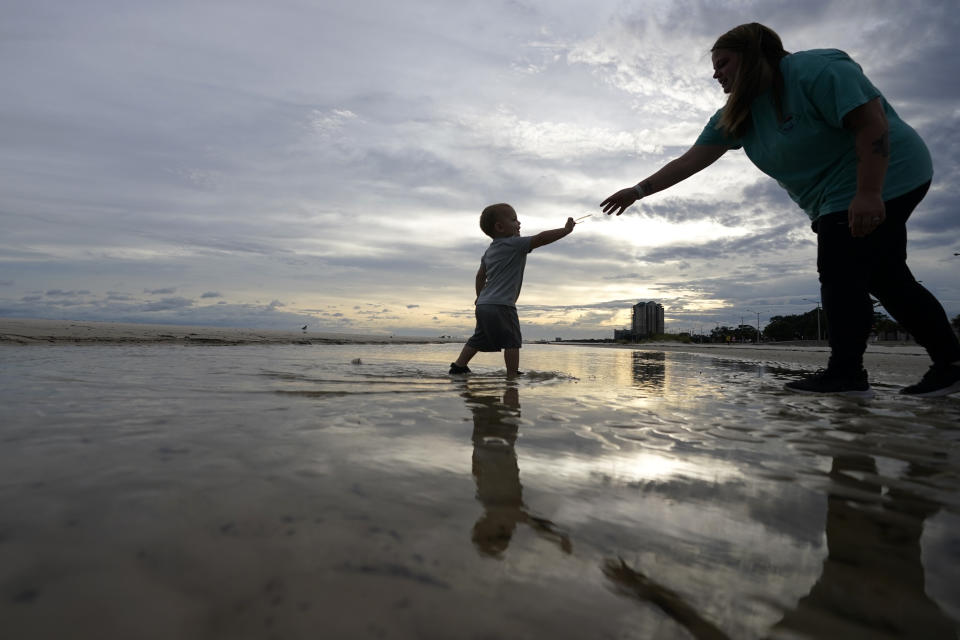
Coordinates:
x,y
881,146
647,187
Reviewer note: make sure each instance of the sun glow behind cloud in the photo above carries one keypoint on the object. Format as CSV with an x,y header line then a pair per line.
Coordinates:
x,y
643,232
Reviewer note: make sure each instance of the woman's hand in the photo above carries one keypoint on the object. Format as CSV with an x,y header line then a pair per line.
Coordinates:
x,y
620,200
865,214
871,132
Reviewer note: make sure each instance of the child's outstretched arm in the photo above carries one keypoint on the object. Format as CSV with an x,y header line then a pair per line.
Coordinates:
x,y
546,237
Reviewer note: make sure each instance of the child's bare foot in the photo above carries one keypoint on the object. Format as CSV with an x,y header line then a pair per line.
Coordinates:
x,y
457,369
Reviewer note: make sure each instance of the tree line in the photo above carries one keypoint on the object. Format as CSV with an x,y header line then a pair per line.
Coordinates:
x,y
805,326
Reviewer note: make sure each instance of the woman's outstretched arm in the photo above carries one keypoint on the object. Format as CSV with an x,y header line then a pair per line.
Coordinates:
x,y
698,157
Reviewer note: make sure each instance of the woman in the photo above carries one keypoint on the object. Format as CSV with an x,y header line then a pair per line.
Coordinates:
x,y
813,121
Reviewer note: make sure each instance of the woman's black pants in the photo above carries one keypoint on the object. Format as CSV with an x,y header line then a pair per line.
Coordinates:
x,y
851,269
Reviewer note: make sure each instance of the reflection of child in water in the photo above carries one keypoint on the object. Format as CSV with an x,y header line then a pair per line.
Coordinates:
x,y
497,476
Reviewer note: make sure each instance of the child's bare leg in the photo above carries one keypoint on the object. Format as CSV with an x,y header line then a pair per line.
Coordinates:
x,y
465,355
511,358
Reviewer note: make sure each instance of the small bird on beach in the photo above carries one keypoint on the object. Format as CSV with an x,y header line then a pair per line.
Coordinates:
x,y
304,327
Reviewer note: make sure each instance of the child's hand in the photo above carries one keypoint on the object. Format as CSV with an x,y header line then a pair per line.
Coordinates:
x,y
570,225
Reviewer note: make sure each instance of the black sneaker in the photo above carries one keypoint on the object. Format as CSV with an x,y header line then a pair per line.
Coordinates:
x,y
455,368
939,380
827,381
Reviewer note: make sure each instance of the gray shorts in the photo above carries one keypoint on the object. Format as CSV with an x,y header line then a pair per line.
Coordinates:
x,y
498,327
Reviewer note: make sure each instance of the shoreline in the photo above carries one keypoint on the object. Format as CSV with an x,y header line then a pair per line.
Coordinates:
x,y
903,360
33,331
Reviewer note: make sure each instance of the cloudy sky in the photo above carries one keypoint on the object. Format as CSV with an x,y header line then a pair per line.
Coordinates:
x,y
270,164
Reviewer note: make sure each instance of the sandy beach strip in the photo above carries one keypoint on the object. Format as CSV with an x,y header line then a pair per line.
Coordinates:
x,y
909,360
905,361
27,331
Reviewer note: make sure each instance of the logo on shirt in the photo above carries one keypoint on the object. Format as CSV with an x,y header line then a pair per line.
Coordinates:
x,y
787,124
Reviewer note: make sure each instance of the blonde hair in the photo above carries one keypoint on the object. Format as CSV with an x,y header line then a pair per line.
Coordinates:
x,y
491,215
760,52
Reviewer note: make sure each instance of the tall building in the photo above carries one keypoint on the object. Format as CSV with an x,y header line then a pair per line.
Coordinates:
x,y
647,319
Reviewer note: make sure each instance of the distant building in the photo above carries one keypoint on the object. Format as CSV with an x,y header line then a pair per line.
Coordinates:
x,y
647,319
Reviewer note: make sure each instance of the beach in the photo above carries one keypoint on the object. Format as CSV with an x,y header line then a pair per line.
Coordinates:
x,y
158,487
904,359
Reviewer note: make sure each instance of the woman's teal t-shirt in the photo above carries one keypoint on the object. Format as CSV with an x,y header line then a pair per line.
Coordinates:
x,y
810,154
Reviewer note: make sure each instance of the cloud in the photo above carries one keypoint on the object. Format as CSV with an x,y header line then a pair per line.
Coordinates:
x,y
168,304
66,294
511,134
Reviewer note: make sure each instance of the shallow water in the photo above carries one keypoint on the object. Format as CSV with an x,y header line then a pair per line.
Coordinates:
x,y
168,491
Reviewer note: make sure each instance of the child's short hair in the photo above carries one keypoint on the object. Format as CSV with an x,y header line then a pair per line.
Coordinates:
x,y
490,216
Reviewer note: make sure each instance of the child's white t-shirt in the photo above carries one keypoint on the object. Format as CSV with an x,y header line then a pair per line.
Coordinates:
x,y
504,262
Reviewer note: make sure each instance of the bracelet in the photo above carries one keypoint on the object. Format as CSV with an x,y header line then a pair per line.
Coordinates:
x,y
639,189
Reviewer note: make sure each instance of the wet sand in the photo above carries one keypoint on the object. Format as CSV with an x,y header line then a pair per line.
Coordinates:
x,y
358,491
905,361
39,331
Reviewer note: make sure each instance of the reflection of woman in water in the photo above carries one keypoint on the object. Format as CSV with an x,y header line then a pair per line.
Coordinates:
x,y
872,585
497,475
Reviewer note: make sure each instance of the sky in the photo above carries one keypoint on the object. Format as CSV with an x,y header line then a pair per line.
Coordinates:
x,y
251,164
